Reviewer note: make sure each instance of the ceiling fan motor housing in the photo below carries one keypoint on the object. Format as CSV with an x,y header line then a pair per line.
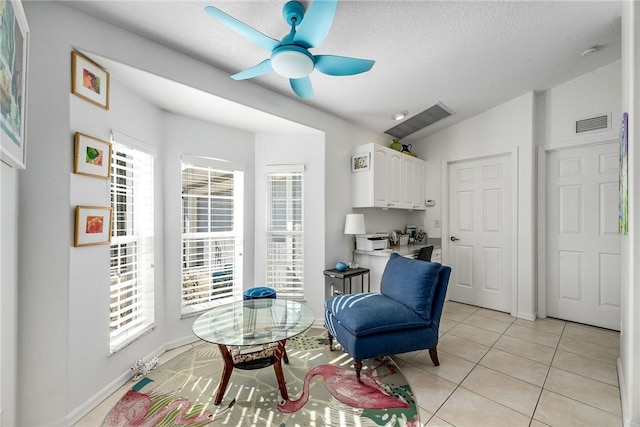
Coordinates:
x,y
293,12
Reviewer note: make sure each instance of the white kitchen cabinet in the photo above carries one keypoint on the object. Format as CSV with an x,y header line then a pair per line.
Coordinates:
x,y
392,180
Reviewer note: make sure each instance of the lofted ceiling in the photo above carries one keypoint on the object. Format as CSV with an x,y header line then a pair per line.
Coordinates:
x,y
468,55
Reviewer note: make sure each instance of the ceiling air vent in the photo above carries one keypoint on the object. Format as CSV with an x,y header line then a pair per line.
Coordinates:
x,y
592,123
420,121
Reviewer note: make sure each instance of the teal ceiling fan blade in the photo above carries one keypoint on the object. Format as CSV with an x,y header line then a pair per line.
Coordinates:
x,y
342,65
316,23
257,70
302,87
243,29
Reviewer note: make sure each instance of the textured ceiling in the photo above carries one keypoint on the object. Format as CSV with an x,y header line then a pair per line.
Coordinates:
x,y
470,55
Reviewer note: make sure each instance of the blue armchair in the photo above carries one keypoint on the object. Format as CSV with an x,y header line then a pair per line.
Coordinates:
x,y
404,316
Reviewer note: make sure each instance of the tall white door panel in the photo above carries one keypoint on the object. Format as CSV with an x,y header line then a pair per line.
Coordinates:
x,y
481,232
583,244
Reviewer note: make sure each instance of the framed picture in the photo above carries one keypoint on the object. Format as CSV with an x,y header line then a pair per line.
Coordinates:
x,y
92,156
14,48
360,162
93,225
623,200
89,81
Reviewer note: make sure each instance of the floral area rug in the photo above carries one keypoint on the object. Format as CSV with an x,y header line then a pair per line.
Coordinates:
x,y
322,388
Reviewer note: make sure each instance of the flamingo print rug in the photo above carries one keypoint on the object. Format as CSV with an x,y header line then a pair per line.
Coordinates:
x,y
322,387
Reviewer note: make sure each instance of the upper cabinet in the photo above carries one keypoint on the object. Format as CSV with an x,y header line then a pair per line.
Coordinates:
x,y
386,178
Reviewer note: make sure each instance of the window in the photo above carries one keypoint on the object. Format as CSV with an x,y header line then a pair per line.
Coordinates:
x,y
211,233
132,278
285,230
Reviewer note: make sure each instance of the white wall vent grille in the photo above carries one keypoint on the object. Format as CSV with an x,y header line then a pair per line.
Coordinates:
x,y
593,123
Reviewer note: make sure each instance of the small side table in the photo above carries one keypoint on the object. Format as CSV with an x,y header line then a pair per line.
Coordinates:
x,y
348,274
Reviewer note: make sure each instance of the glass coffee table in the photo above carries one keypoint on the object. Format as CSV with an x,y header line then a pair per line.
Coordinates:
x,y
248,327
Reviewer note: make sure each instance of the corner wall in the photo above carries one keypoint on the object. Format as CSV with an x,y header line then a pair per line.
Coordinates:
x,y
309,150
8,293
506,128
629,362
59,308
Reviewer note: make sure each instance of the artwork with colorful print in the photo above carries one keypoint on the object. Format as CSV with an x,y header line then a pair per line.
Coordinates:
x,y
92,156
93,225
623,202
89,81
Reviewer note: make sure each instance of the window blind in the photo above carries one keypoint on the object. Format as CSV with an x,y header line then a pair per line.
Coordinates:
x,y
211,236
132,245
285,230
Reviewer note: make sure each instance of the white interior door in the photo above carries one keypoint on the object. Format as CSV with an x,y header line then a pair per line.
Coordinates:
x,y
481,233
583,244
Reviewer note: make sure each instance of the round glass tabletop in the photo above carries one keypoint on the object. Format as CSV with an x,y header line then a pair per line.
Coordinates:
x,y
254,322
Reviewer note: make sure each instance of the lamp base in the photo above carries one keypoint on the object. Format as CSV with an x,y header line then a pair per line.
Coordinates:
x,y
354,264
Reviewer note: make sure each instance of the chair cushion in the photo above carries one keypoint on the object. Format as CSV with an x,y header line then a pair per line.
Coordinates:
x,y
361,314
411,282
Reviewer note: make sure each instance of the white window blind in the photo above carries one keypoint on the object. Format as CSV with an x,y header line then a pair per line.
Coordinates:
x,y
285,230
211,235
132,245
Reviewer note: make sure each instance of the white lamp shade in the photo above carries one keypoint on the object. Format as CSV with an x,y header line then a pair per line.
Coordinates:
x,y
354,224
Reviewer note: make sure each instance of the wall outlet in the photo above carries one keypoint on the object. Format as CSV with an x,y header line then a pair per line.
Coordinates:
x,y
436,223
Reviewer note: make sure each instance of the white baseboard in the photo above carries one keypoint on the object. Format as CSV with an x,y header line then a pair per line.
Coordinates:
x,y
626,421
526,316
89,405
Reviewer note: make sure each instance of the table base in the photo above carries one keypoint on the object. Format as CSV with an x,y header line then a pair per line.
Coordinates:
x,y
279,355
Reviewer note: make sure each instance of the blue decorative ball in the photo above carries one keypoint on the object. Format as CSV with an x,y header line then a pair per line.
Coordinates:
x,y
341,266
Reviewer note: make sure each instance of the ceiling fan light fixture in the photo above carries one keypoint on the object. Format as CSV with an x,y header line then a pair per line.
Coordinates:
x,y
292,62
400,116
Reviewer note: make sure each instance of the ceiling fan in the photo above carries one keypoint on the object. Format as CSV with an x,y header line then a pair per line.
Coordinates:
x,y
290,57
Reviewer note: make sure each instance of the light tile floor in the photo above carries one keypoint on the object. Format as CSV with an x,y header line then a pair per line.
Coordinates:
x,y
499,371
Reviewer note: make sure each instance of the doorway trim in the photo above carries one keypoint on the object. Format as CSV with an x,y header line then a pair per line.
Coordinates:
x,y
514,160
543,151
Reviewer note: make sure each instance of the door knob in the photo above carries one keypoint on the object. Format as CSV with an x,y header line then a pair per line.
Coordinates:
x,y
453,238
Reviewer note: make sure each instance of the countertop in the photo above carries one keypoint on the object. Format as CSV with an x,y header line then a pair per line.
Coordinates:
x,y
411,248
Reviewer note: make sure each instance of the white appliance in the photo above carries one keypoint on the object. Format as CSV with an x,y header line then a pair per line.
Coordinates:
x,y
371,242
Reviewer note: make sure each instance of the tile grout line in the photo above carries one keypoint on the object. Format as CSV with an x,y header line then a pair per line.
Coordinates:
x,y
511,323
542,388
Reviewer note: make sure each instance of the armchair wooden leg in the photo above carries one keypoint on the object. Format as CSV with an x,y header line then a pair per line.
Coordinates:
x,y
330,341
358,365
433,352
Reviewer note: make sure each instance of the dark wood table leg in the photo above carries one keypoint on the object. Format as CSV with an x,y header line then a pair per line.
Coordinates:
x,y
226,373
277,367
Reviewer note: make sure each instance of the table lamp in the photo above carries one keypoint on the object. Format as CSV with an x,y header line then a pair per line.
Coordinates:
x,y
354,224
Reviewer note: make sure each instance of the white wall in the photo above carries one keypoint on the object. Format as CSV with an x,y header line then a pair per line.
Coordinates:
x,y
629,362
589,95
507,128
308,150
8,292
193,137
62,346
88,285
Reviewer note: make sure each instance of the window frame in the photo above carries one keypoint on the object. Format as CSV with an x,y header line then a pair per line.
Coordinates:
x,y
294,238
228,268
133,226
